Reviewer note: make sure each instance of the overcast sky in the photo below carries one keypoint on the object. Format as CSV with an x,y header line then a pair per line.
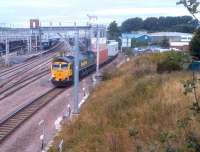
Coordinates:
x,y
18,12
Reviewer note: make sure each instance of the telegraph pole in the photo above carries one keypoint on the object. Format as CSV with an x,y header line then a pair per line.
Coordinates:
x,y
30,41
28,44
36,42
40,38
97,47
91,36
7,52
76,73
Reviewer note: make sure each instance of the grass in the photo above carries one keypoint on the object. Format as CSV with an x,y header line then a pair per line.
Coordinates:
x,y
135,109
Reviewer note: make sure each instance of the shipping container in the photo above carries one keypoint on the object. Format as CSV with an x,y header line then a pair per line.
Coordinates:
x,y
103,55
103,50
113,48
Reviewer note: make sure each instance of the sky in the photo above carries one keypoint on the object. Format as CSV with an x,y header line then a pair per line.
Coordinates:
x,y
16,13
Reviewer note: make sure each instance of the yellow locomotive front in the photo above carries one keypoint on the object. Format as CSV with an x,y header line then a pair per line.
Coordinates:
x,y
61,72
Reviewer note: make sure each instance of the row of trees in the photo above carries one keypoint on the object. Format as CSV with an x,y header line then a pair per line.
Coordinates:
x,y
184,24
153,24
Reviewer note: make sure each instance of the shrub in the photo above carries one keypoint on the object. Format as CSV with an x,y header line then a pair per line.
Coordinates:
x,y
107,76
174,61
195,45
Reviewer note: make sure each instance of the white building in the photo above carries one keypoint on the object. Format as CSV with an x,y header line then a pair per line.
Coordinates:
x,y
172,36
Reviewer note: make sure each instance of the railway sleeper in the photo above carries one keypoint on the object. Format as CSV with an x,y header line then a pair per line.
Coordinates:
x,y
30,109
3,135
22,117
5,131
14,121
2,129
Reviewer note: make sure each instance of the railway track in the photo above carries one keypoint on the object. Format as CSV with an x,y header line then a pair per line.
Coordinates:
x,y
9,90
14,120
24,65
25,73
18,117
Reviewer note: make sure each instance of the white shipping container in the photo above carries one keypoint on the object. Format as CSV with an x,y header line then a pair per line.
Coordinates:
x,y
113,48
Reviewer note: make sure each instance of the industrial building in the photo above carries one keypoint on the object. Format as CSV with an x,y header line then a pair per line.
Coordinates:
x,y
171,36
128,37
177,40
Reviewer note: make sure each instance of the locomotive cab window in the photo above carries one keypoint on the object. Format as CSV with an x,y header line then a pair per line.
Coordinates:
x,y
64,66
56,66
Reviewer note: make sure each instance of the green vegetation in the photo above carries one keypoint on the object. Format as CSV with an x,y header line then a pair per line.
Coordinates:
x,y
136,109
174,61
138,43
195,45
191,5
184,24
113,31
165,43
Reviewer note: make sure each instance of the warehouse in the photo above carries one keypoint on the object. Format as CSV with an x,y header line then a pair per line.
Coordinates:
x,y
127,38
171,36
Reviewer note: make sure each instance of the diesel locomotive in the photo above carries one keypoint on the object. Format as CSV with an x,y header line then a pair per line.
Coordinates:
x,y
62,68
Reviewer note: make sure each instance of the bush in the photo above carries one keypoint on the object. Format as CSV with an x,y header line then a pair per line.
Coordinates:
x,y
195,45
128,51
174,61
107,76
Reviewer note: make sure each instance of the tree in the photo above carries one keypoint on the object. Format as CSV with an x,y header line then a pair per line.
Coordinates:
x,y
113,31
133,24
184,24
165,43
151,24
195,45
191,5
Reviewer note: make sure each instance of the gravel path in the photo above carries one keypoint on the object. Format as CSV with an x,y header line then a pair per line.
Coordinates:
x,y
24,95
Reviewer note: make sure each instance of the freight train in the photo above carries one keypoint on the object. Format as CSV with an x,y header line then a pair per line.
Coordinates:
x,y
62,67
